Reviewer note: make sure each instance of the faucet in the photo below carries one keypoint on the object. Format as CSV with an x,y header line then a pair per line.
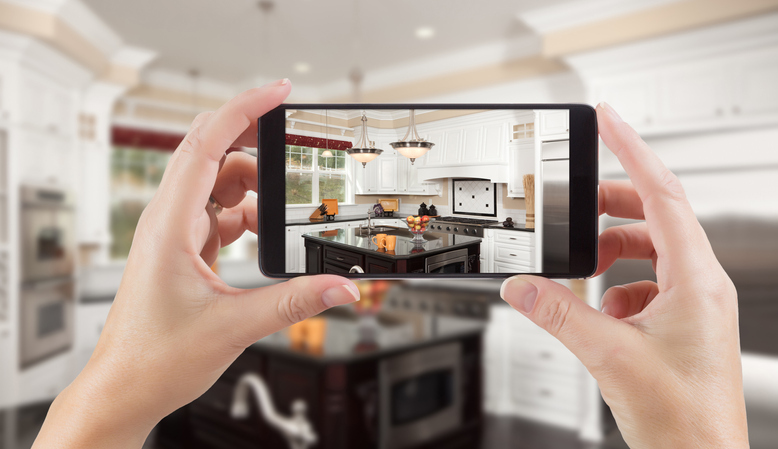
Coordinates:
x,y
297,430
369,224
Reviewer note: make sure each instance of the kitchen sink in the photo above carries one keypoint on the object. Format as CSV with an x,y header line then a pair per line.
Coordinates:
x,y
391,230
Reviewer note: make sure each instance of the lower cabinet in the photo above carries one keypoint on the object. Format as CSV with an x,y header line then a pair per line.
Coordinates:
x,y
376,265
509,251
313,257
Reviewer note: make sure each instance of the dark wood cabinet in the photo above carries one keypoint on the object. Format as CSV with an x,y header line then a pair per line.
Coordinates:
x,y
376,265
313,257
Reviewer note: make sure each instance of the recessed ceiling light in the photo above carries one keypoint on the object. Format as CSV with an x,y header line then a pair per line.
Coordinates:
x,y
302,67
425,32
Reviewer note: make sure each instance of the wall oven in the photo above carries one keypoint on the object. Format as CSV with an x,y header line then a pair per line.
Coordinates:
x,y
48,234
420,395
47,309
449,262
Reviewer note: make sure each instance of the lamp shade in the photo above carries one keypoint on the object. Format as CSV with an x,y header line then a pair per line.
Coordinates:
x,y
326,153
364,151
412,146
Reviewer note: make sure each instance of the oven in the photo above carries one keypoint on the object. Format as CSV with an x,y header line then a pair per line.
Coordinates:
x,y
451,262
48,234
47,315
421,395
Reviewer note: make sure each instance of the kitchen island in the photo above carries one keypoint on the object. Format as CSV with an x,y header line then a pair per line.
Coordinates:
x,y
337,251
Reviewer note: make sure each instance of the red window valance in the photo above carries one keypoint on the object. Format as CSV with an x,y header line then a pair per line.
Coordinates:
x,y
317,142
153,140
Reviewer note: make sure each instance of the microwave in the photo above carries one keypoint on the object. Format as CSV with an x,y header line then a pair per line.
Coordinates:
x,y
48,233
421,397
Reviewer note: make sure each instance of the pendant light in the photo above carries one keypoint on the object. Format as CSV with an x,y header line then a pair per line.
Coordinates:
x,y
364,150
414,147
326,152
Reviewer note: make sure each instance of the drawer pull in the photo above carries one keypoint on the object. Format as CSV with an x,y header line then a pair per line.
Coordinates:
x,y
545,392
545,355
339,258
512,238
513,255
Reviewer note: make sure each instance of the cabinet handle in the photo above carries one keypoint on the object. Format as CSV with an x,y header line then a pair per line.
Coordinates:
x,y
512,238
513,255
356,269
567,130
545,392
339,258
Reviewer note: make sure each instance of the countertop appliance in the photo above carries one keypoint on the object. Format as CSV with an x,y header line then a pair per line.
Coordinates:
x,y
451,262
47,309
555,204
462,226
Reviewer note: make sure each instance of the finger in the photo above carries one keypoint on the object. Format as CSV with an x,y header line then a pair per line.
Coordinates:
x,y
254,314
211,245
622,301
233,222
619,199
671,222
631,241
248,138
236,177
586,332
188,182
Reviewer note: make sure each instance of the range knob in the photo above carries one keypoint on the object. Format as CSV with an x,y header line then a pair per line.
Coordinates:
x,y
448,228
456,229
467,231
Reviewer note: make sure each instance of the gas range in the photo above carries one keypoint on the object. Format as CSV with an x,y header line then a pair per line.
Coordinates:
x,y
462,226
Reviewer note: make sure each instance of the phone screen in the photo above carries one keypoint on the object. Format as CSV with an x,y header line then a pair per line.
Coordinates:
x,y
426,191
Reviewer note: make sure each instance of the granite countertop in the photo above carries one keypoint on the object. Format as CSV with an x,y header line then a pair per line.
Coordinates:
x,y
516,227
353,240
338,219
349,338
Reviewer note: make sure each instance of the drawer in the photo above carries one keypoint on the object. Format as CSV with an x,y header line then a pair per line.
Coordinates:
x,y
545,392
342,257
536,356
502,267
514,254
515,238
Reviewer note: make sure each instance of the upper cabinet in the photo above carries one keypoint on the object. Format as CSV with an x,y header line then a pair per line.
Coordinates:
x,y
554,125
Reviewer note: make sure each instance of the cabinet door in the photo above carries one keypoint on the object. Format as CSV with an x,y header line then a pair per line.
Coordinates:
x,y
94,207
453,147
376,265
415,186
292,246
554,123
522,162
692,93
495,142
387,174
366,177
472,148
633,97
403,173
756,90
313,257
434,157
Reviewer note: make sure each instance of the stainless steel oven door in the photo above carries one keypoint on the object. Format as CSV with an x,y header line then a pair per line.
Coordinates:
x,y
48,234
47,317
421,395
452,262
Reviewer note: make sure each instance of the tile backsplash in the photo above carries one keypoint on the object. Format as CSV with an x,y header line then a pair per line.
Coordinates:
x,y
474,196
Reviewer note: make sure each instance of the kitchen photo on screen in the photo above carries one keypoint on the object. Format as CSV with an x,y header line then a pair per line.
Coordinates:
x,y
382,191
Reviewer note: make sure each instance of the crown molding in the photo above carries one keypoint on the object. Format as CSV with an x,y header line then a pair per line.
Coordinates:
x,y
182,82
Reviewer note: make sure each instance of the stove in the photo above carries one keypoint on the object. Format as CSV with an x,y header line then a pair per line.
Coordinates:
x,y
462,226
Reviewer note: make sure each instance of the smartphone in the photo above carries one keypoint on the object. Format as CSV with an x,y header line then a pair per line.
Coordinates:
x,y
428,190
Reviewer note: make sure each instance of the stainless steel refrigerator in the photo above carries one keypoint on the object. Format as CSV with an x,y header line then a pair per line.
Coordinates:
x,y
555,204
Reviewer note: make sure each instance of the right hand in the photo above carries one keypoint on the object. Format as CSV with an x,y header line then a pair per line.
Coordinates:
x,y
666,355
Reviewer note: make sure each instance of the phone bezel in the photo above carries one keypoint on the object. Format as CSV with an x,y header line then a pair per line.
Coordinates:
x,y
584,182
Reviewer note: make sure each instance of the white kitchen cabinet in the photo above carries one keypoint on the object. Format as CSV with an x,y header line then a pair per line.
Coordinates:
x,y
633,97
554,125
292,246
387,173
754,85
495,141
510,251
521,160
692,92
472,147
435,155
366,177
94,206
452,148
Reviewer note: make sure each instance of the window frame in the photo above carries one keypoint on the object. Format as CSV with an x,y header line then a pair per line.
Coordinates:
x,y
315,171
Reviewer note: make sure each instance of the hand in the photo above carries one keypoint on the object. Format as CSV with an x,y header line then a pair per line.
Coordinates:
x,y
666,355
175,326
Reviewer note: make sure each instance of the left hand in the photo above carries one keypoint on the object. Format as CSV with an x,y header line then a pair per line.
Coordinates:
x,y
175,326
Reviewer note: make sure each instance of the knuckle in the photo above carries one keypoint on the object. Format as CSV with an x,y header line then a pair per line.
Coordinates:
x,y
670,186
192,140
200,118
293,308
553,316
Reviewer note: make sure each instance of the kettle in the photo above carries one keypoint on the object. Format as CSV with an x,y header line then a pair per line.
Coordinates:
x,y
423,210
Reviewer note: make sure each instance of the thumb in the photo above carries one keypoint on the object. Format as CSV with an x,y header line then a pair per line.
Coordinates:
x,y
586,332
259,312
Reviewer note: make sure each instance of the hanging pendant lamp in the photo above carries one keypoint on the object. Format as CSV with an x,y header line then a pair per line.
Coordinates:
x,y
326,152
364,150
414,147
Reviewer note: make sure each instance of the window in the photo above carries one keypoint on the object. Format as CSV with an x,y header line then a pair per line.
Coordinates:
x,y
135,176
311,177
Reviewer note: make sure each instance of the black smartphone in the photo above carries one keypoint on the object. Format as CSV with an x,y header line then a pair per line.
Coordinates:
x,y
428,190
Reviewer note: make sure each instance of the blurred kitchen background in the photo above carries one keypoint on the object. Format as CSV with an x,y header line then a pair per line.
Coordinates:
x,y
95,94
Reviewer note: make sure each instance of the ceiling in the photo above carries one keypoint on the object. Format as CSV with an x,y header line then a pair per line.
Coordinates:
x,y
234,41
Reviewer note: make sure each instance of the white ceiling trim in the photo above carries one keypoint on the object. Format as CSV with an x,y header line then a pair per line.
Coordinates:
x,y
181,82
556,17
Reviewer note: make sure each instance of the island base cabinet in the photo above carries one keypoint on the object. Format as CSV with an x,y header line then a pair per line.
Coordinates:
x,y
313,258
376,265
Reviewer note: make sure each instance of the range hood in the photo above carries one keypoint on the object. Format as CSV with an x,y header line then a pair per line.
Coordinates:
x,y
494,173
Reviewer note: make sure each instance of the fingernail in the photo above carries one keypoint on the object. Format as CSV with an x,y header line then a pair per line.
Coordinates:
x,y
520,294
342,294
610,111
285,81
606,309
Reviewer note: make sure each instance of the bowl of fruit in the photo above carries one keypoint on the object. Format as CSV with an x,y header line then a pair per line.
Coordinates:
x,y
418,225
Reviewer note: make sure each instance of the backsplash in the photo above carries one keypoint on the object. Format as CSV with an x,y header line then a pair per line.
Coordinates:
x,y
474,197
